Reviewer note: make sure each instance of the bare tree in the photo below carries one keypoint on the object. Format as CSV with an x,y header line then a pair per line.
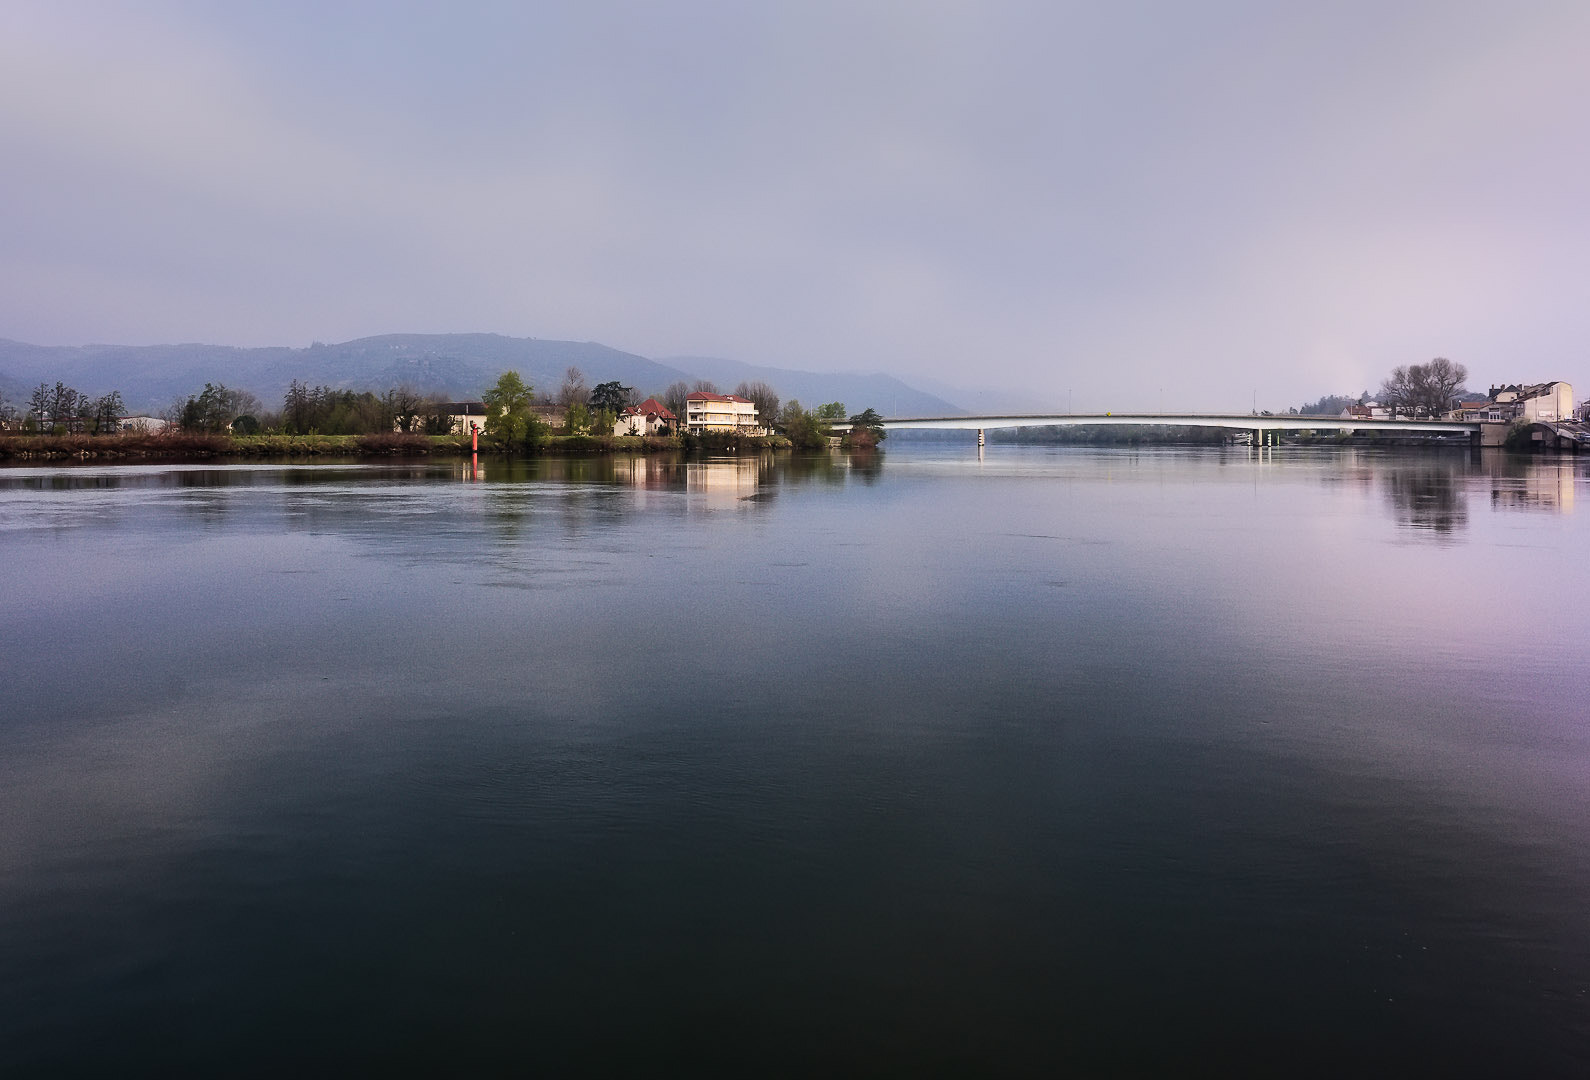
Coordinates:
x,y
1443,382
108,411
63,407
674,397
573,389
1429,388
404,403
704,386
765,397
39,405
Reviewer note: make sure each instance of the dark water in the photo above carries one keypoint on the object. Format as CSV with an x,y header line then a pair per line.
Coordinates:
x,y
1078,762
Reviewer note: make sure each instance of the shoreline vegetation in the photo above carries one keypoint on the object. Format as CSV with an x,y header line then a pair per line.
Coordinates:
x,y
136,446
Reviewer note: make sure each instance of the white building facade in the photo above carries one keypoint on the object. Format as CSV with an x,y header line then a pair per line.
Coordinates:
x,y
720,412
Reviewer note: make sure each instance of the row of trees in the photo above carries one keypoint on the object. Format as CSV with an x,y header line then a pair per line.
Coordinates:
x,y
328,411
61,409
511,421
1432,389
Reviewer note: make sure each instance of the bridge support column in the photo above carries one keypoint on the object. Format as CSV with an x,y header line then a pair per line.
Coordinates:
x,y
979,438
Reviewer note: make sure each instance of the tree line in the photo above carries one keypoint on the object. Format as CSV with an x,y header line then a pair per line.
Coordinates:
x,y
510,408
63,410
1432,389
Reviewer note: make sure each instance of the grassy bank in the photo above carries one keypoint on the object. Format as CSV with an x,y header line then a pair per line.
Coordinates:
x,y
189,446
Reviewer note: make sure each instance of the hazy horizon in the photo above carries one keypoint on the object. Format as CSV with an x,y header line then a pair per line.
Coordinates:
x,y
1213,206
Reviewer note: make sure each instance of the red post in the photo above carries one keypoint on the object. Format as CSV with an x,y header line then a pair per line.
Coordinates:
x,y
474,439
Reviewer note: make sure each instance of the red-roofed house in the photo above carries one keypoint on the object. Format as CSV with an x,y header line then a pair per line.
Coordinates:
x,y
650,417
720,412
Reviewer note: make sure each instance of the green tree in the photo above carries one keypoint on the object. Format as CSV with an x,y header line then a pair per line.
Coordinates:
x,y
576,418
834,410
508,410
803,429
215,408
610,396
866,429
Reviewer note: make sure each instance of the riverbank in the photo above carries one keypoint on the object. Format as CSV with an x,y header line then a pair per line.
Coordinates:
x,y
135,446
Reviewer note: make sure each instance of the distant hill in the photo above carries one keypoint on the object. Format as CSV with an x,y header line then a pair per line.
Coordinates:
x,y
887,394
460,366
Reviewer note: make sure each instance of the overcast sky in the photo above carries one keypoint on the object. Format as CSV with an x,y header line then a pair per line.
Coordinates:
x,y
1204,203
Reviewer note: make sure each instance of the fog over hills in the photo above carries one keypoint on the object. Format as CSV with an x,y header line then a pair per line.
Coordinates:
x,y
457,365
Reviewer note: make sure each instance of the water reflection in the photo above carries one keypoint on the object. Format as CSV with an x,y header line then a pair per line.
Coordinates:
x,y
1429,495
1519,483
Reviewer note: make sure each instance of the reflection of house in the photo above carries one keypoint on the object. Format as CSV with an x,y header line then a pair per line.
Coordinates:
x,y
650,417
724,483
1544,487
719,412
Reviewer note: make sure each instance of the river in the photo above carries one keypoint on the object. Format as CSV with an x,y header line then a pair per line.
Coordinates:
x,y
1106,762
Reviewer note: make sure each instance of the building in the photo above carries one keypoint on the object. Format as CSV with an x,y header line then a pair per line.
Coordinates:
x,y
466,416
650,417
1546,403
720,412
146,425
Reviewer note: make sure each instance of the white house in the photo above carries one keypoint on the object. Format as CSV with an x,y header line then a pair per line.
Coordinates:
x,y
145,425
650,417
720,412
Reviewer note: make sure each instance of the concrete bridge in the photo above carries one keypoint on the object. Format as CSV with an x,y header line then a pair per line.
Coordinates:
x,y
1263,428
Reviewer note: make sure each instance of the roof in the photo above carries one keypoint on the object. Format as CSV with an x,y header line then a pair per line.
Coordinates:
x,y
651,407
702,395
463,408
1539,390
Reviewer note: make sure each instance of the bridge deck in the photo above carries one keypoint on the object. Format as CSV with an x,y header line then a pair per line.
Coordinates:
x,y
1234,421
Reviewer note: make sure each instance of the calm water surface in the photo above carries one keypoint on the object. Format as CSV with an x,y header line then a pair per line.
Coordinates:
x,y
1081,761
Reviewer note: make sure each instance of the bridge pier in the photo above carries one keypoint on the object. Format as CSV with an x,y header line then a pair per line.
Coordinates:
x,y
979,438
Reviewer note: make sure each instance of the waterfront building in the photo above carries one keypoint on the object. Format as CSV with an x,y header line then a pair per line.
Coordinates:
x,y
720,412
1547,402
650,417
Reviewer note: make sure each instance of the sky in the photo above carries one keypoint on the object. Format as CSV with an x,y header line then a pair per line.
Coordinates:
x,y
1106,205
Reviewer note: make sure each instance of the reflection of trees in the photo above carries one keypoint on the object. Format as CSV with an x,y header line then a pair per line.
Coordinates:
x,y
1428,495
817,468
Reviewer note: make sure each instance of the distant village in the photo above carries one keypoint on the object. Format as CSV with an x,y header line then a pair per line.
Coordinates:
x,y
509,415
1543,414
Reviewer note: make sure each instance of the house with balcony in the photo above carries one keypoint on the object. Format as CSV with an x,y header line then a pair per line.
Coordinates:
x,y
720,412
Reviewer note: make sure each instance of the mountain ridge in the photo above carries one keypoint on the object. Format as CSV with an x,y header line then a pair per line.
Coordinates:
x,y
463,366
